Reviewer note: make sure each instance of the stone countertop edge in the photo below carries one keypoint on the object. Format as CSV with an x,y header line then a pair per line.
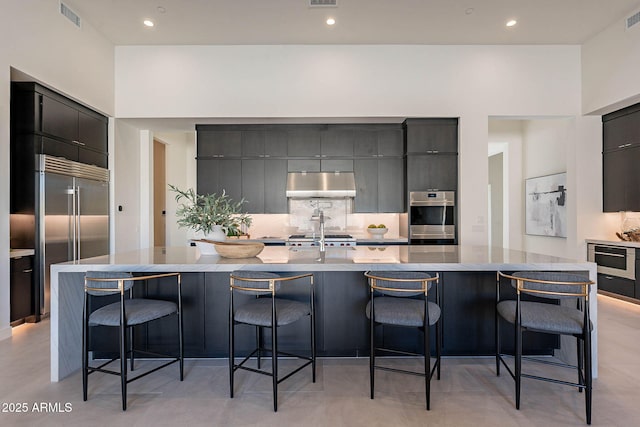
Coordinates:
x,y
18,253
622,243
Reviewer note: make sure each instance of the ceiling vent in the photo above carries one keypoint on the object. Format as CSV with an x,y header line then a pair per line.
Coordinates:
x,y
323,3
633,20
70,14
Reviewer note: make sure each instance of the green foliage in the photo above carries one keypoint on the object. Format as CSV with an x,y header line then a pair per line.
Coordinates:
x,y
201,212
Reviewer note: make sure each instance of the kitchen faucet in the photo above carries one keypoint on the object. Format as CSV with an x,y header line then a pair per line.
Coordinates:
x,y
320,218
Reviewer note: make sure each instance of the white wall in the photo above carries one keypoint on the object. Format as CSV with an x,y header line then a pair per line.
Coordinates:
x,y
610,66
470,82
37,40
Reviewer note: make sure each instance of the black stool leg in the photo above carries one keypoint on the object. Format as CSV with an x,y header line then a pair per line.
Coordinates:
x,y
518,363
438,345
427,363
580,345
85,351
313,338
498,343
372,352
274,364
259,343
587,374
231,347
131,346
123,365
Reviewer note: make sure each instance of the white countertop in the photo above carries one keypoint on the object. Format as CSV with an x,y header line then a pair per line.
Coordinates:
x,y
17,253
621,243
359,258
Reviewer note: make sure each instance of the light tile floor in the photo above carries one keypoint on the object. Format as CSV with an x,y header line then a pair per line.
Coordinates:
x,y
469,393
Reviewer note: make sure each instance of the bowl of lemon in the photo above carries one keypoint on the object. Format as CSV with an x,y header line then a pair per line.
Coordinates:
x,y
377,231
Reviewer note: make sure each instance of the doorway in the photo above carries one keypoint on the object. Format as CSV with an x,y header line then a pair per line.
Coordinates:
x,y
159,194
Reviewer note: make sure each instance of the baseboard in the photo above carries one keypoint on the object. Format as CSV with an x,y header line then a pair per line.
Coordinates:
x,y
5,333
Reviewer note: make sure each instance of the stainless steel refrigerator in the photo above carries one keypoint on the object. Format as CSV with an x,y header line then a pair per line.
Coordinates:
x,y
72,217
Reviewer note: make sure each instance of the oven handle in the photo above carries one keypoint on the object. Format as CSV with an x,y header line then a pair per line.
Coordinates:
x,y
436,204
610,254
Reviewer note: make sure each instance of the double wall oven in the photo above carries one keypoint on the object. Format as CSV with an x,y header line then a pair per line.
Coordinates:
x,y
432,218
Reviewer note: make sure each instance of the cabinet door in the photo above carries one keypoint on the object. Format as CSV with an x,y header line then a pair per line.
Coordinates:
x,y
56,148
391,193
365,143
216,175
336,141
617,285
303,165
336,165
303,142
253,143
92,157
390,143
432,135
366,176
59,119
21,289
92,132
222,143
275,184
275,143
253,185
621,132
432,172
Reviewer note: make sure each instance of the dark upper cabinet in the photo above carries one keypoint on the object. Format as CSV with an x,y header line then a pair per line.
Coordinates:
x,y
426,136
621,154
379,141
60,127
379,185
59,119
303,141
431,172
219,141
264,143
337,141
621,175
621,129
216,175
263,185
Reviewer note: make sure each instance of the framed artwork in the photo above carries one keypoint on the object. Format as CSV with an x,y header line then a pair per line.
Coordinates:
x,y
546,205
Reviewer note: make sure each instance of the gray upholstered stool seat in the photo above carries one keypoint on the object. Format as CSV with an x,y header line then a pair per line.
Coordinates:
x,y
137,311
402,311
551,318
258,312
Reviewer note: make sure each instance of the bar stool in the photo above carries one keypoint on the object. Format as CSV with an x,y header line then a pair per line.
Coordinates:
x,y
265,310
399,298
547,317
125,314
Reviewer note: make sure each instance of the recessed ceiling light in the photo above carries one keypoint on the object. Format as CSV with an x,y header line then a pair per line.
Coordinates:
x,y
469,11
161,9
148,22
511,23
331,21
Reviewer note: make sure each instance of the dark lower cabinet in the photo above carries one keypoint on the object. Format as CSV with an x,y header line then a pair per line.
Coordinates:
x,y
21,289
617,285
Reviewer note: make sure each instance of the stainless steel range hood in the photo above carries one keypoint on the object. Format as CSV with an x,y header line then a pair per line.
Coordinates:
x,y
321,184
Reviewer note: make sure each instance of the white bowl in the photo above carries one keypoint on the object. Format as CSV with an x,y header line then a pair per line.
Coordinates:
x,y
377,232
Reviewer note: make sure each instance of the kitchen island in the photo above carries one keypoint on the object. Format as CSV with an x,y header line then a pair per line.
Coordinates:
x,y
467,281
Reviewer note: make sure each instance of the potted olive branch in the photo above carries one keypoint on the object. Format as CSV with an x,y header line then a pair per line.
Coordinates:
x,y
210,213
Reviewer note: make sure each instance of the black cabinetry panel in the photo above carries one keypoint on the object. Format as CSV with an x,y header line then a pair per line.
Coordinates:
x,y
21,289
617,285
432,135
432,172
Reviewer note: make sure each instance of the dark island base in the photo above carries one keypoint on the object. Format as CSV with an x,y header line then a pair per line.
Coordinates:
x,y
468,303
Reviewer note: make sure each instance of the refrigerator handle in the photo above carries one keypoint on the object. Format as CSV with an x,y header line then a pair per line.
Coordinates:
x,y
77,213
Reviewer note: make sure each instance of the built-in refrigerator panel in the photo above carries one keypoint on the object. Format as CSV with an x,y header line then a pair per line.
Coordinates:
x,y
93,218
54,232
72,217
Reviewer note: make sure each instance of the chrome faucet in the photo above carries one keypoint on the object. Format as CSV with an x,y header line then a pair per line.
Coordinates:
x,y
318,215
321,241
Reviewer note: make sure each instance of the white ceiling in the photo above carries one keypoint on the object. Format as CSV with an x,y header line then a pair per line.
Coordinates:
x,y
358,21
